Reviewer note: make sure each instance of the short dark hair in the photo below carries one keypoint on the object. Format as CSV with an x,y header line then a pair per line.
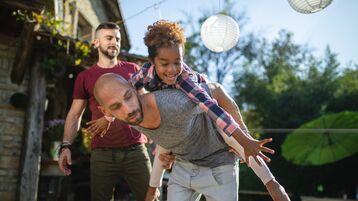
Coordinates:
x,y
107,25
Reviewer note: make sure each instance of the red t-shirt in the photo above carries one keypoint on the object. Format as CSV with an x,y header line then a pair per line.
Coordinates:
x,y
119,134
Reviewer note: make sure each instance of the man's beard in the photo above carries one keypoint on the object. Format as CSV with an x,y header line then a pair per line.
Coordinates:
x,y
107,53
140,111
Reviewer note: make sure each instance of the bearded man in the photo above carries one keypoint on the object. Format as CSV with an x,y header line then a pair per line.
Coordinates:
x,y
120,150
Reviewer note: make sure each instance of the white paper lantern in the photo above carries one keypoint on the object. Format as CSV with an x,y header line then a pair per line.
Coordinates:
x,y
309,6
220,33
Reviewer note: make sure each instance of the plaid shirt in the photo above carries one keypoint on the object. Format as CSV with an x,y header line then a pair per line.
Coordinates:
x,y
188,81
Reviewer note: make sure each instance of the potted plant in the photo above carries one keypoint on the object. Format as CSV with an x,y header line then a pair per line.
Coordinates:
x,y
53,136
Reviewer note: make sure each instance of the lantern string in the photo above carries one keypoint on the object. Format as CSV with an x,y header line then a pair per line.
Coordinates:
x,y
158,11
155,5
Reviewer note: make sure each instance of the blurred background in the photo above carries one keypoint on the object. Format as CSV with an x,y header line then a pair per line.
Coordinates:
x,y
293,75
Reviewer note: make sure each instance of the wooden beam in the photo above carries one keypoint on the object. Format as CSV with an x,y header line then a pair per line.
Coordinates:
x,y
22,5
32,144
23,54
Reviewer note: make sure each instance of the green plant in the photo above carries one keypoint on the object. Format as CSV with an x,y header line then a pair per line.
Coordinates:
x,y
46,21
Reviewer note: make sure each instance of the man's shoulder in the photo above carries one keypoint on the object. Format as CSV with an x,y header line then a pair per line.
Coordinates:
x,y
173,98
128,64
173,93
123,68
89,69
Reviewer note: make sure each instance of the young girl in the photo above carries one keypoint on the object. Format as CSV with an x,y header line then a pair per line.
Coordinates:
x,y
165,41
162,73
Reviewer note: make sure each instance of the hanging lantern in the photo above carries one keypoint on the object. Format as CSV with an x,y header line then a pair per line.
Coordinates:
x,y
220,33
309,6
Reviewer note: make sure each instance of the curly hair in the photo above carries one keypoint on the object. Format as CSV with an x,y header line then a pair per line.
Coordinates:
x,y
163,33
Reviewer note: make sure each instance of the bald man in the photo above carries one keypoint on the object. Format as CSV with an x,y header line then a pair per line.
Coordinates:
x,y
168,117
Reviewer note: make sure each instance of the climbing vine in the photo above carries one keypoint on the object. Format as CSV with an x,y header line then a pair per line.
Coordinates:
x,y
65,51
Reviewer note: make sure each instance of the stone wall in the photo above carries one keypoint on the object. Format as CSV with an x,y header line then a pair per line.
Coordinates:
x,y
11,121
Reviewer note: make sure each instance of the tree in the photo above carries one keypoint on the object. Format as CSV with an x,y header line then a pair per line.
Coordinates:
x,y
346,95
281,84
285,84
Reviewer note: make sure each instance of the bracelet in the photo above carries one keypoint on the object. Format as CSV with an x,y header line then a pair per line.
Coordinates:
x,y
64,145
109,119
66,142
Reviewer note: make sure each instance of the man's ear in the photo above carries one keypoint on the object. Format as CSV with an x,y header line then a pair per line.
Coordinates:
x,y
95,42
104,111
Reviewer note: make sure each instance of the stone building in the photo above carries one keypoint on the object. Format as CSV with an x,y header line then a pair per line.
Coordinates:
x,y
28,95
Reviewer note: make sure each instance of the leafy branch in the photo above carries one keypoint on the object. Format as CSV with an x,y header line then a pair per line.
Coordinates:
x,y
46,21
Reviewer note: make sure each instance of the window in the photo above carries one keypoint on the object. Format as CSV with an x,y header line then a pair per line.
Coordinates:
x,y
84,29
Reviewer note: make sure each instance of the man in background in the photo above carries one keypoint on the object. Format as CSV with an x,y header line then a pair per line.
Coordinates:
x,y
121,151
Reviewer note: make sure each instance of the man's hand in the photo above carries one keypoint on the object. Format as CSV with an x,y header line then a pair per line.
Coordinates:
x,y
99,126
64,161
167,160
152,194
235,152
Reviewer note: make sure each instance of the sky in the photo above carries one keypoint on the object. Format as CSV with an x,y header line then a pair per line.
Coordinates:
x,y
335,26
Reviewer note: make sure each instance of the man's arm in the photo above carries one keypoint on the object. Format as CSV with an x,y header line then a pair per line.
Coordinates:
x,y
276,191
73,119
241,135
223,119
227,103
72,125
200,97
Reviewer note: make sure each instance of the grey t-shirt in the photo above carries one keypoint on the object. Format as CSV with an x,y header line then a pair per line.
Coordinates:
x,y
187,131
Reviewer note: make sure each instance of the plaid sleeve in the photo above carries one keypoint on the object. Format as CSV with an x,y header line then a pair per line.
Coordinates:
x,y
187,71
142,77
199,96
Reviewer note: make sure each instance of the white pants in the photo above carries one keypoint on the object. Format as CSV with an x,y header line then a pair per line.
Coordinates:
x,y
216,184
263,172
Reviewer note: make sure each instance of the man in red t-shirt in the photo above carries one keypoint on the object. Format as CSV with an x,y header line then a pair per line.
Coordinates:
x,y
121,151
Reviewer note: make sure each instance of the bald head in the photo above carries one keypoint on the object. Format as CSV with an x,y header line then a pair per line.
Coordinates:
x,y
106,84
118,98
